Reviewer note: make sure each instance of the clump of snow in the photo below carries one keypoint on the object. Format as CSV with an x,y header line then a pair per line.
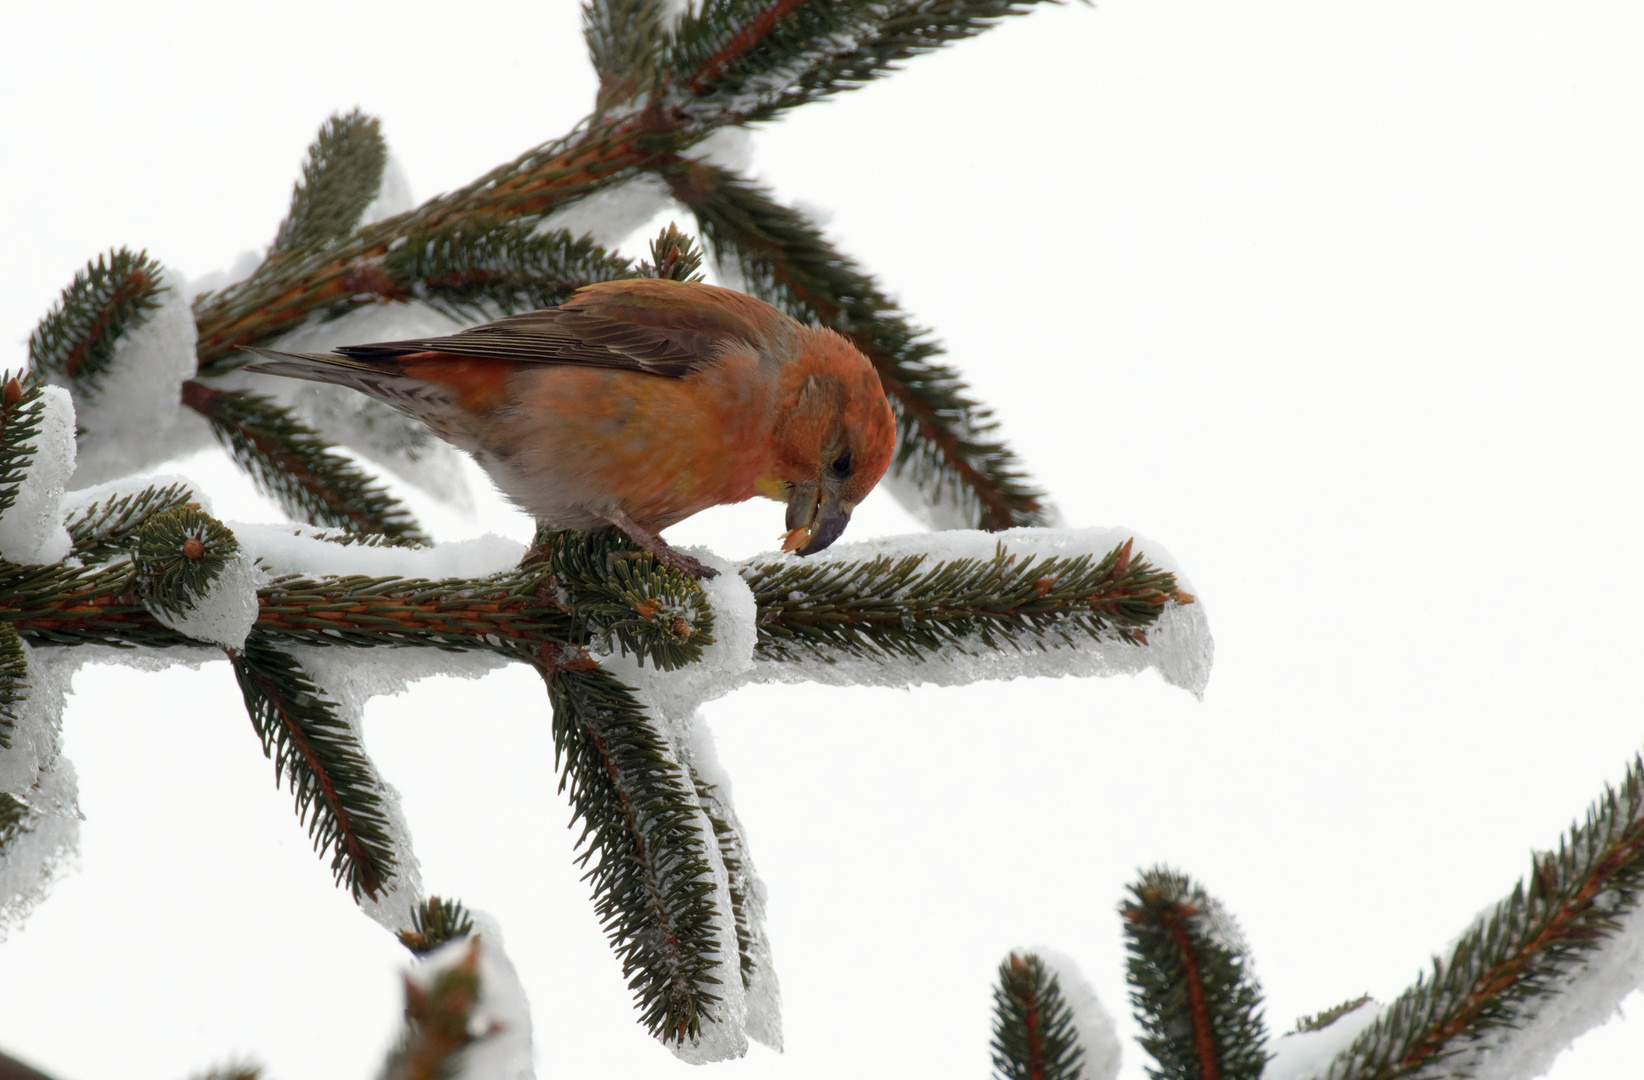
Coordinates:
x,y
403,446
611,214
671,698
243,266
1179,644
31,532
393,194
74,502
135,419
228,610
502,1015
35,771
302,549
1587,997
1097,1035
352,677
1307,1054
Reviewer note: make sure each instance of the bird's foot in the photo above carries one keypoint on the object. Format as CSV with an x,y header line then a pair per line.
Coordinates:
x,y
659,547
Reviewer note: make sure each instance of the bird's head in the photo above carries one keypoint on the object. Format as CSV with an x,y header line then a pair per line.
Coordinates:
x,y
833,440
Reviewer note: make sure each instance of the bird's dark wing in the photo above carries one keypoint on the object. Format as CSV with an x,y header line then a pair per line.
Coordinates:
x,y
658,327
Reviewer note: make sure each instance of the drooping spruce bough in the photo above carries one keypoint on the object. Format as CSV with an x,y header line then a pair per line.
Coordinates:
x,y
143,567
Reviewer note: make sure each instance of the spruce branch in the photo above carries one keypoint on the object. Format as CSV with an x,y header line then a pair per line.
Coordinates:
x,y
433,923
14,682
296,468
337,792
74,343
947,444
438,1023
653,888
234,1070
1530,946
338,279
918,608
1320,1020
627,598
733,855
179,553
1195,999
625,38
20,416
675,255
14,818
901,32
72,605
341,175
482,269
108,527
1034,1037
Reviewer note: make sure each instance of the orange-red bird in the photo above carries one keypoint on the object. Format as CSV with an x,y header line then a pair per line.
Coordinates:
x,y
638,403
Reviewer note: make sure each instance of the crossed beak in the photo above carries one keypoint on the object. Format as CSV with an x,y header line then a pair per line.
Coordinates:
x,y
816,517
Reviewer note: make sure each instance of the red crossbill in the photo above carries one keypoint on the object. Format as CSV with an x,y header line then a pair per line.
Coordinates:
x,y
638,403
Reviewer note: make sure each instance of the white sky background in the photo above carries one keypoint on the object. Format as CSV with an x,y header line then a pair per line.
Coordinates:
x,y
1338,301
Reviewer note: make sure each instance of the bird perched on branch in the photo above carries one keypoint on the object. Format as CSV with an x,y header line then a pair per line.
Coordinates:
x,y
638,403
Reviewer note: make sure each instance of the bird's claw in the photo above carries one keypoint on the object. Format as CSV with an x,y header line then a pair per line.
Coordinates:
x,y
686,565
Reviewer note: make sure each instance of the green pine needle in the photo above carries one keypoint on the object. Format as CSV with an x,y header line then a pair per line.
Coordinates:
x,y
946,440
1320,1020
14,682
296,468
341,175
675,255
623,594
15,818
74,343
482,269
1533,944
918,608
108,527
653,887
625,38
179,554
20,416
337,792
1197,1003
435,922
1034,1037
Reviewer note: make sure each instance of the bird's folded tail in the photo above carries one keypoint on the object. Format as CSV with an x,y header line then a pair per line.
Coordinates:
x,y
316,367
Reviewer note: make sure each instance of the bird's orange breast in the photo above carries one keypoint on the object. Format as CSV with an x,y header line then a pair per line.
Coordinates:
x,y
663,448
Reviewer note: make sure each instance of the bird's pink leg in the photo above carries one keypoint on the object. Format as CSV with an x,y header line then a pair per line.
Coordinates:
x,y
657,546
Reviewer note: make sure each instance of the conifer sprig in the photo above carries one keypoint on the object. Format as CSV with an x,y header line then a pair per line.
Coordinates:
x,y
625,39
1034,1037
107,527
481,270
74,343
947,444
433,923
438,1023
1530,946
341,175
338,794
329,282
902,31
653,887
20,417
298,469
1197,1003
733,854
916,607
14,682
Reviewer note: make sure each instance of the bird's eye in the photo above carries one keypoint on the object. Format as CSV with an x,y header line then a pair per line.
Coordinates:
x,y
842,464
